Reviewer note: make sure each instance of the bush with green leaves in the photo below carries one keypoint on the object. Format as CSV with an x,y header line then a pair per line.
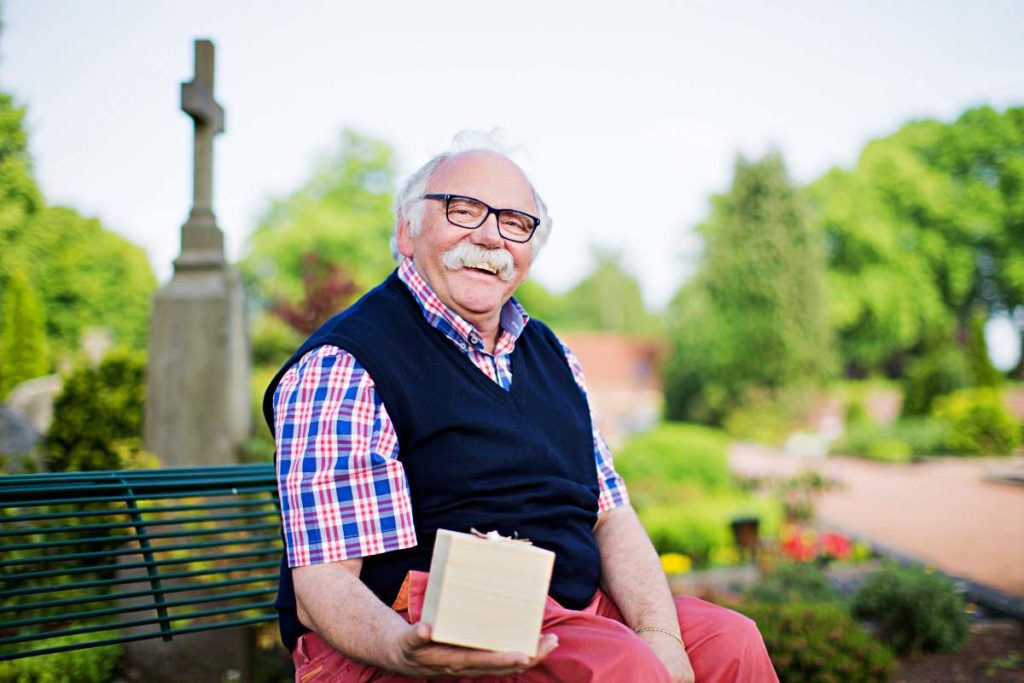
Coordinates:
x,y
89,665
916,610
978,422
697,524
97,418
676,453
790,582
819,643
679,480
907,437
935,374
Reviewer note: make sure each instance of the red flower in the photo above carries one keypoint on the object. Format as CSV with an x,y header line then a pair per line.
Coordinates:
x,y
836,546
799,549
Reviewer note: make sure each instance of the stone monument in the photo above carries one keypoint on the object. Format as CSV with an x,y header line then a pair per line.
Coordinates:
x,y
197,404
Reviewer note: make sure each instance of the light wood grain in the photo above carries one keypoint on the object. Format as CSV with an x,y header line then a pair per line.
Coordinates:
x,y
487,594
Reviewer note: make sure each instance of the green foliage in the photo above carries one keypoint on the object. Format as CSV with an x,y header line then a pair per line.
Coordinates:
x,y
754,315
89,665
768,417
792,582
679,481
924,229
672,454
978,422
87,276
696,523
939,372
607,299
97,418
343,214
819,643
272,341
24,353
983,373
898,442
916,610
83,274
19,195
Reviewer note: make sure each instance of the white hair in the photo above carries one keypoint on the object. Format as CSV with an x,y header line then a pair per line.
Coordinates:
x,y
409,205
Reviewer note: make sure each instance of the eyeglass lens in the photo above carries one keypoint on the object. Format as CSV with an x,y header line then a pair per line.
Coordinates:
x,y
470,213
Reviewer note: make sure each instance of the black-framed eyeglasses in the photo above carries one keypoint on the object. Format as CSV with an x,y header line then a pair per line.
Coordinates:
x,y
470,213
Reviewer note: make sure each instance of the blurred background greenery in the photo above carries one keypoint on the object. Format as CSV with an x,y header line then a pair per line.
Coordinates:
x,y
875,280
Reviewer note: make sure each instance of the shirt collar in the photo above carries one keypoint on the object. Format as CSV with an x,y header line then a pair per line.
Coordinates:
x,y
513,317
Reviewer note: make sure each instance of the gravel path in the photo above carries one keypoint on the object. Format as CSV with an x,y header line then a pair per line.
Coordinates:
x,y
941,512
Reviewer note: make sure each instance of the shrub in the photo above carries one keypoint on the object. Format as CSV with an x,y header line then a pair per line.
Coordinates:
x,y
24,352
889,449
940,372
924,435
97,418
819,643
793,582
272,341
673,454
697,524
978,422
898,442
916,610
90,665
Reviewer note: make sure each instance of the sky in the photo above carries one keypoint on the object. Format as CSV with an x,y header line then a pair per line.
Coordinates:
x,y
626,116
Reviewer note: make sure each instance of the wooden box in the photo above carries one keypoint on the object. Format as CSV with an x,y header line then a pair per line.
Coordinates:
x,y
487,593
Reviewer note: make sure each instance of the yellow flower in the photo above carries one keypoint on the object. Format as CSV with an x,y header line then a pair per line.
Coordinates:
x,y
676,563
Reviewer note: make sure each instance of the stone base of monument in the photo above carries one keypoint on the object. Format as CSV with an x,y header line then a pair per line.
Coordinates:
x,y
197,404
212,656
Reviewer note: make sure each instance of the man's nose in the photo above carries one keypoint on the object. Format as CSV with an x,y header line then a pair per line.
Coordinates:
x,y
487,235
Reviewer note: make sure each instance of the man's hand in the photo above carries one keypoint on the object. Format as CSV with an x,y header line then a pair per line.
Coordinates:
x,y
672,655
418,657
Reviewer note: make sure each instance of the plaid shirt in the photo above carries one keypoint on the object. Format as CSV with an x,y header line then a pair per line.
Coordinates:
x,y
343,490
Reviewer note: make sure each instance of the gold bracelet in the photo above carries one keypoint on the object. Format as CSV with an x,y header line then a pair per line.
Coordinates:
x,y
645,629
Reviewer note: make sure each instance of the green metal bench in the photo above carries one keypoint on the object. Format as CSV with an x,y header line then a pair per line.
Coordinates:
x,y
98,558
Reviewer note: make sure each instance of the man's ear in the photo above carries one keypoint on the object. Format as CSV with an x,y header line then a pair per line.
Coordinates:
x,y
405,239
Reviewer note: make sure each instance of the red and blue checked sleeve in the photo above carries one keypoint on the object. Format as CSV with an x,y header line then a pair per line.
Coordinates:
x,y
612,488
343,492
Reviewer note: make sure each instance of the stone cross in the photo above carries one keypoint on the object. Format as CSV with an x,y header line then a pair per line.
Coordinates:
x,y
202,243
197,391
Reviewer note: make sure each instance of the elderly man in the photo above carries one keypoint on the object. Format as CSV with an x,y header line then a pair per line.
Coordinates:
x,y
436,402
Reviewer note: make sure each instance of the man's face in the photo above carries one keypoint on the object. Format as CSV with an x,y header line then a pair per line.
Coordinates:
x,y
475,294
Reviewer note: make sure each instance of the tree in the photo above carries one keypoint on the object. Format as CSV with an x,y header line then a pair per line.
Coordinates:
x,y
754,316
327,290
607,299
343,214
925,230
23,349
84,275
19,195
87,276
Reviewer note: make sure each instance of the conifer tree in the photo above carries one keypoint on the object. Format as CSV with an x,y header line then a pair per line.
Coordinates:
x,y
23,349
755,315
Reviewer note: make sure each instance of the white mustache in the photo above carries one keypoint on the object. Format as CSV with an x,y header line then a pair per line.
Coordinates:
x,y
468,255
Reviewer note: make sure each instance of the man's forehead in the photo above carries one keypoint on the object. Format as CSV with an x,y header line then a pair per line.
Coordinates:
x,y
487,176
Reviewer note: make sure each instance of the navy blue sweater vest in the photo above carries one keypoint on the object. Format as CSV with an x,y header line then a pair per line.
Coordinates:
x,y
475,456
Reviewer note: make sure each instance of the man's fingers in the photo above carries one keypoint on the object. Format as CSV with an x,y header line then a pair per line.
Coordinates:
x,y
545,646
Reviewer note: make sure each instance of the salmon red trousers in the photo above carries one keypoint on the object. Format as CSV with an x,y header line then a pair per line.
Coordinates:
x,y
594,646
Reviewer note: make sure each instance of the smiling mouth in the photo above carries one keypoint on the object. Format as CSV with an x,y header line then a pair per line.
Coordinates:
x,y
484,267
